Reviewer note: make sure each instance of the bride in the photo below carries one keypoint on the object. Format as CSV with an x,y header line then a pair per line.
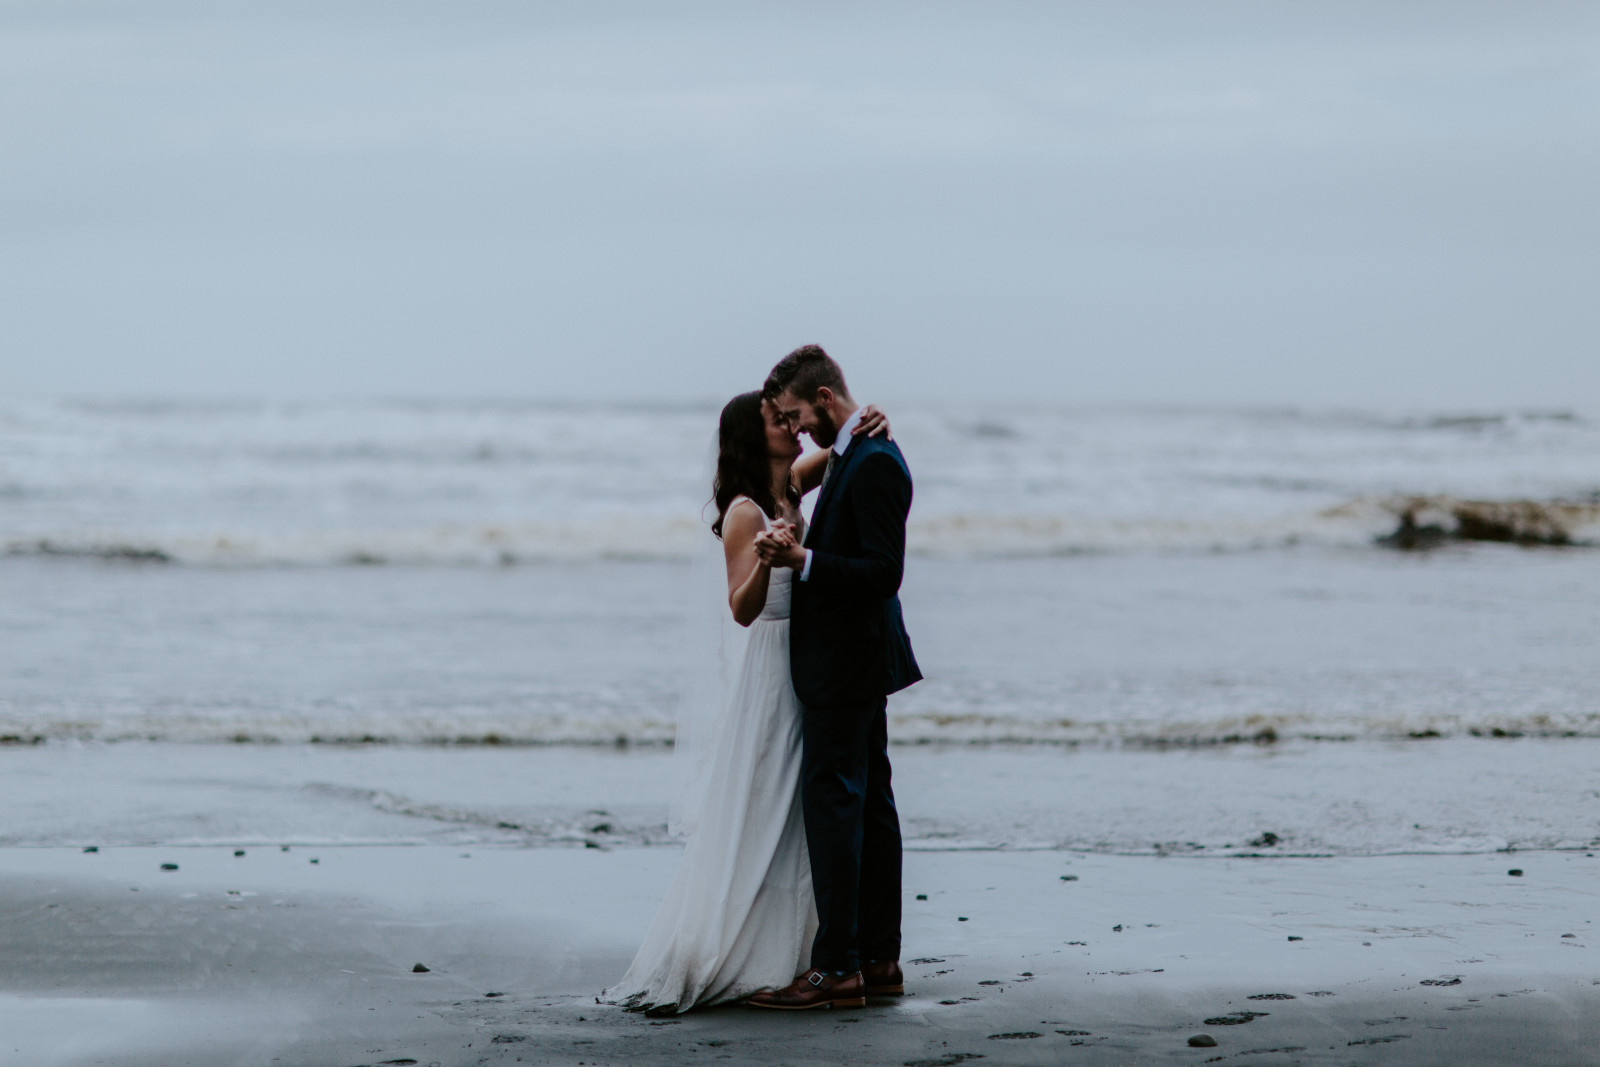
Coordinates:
x,y
739,916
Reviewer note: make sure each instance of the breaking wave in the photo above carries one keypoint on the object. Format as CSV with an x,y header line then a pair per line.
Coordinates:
x,y
922,726
1405,521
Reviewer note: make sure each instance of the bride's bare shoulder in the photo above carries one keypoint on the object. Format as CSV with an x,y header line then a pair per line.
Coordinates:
x,y
743,521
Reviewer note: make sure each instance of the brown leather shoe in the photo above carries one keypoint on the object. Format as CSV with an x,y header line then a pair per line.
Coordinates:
x,y
815,990
883,978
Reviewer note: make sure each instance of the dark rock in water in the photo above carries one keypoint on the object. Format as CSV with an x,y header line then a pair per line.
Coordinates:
x,y
1292,937
949,1059
316,861
1520,522
922,896
420,969
1449,979
1411,537
507,1039
494,994
1073,1033
961,918
92,848
238,852
1117,929
1202,1041
1267,840
1515,872
1020,1035
1236,1018
1069,878
1272,996
169,866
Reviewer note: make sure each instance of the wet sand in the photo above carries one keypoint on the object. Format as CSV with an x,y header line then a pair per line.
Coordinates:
x,y
1021,957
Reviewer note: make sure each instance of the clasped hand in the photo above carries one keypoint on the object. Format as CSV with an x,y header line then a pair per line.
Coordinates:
x,y
778,547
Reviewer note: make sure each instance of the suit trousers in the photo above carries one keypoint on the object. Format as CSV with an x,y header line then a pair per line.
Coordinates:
x,y
853,834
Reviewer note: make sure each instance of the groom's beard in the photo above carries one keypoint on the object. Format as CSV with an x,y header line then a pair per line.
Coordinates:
x,y
825,432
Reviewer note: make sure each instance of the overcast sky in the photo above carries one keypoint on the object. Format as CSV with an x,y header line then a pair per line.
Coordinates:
x,y
1389,204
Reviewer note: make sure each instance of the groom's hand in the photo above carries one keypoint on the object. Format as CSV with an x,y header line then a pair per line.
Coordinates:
x,y
778,547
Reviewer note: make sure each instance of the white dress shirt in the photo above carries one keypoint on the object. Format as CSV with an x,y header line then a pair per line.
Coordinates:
x,y
840,443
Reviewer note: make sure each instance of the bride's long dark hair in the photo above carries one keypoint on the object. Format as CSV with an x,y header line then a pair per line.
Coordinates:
x,y
744,466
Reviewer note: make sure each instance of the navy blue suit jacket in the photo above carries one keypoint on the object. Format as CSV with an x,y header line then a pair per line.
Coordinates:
x,y
847,640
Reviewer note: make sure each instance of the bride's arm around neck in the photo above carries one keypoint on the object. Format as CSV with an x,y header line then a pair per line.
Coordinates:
x,y
747,574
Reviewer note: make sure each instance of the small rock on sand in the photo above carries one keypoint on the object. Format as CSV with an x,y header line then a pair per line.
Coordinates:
x,y
1515,872
169,866
1202,1041
92,848
420,968
238,852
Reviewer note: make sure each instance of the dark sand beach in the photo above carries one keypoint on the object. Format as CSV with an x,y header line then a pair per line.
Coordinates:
x,y
308,956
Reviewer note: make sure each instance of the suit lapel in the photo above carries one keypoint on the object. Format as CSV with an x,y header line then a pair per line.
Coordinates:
x,y
831,490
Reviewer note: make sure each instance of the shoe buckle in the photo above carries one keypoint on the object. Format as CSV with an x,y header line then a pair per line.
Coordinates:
x,y
816,979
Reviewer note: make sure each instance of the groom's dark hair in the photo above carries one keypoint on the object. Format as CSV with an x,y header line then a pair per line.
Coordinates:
x,y
804,371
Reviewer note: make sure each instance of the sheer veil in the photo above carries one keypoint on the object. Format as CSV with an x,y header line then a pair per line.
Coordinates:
x,y
713,652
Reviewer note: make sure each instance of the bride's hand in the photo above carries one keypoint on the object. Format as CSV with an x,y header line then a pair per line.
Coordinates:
x,y
781,533
874,421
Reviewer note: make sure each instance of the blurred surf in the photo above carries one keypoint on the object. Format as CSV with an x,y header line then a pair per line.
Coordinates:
x,y
490,484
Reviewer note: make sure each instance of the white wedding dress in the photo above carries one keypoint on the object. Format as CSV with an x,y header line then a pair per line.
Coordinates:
x,y
740,915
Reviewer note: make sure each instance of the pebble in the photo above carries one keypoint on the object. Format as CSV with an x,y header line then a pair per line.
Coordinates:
x,y
922,896
316,861
420,969
92,848
169,866
238,852
1202,1041
1294,938
1515,872
1069,878
961,918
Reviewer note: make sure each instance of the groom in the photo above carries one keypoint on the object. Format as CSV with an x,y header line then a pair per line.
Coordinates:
x,y
848,650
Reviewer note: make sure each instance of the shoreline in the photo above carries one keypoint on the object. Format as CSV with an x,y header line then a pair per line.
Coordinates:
x,y
1443,796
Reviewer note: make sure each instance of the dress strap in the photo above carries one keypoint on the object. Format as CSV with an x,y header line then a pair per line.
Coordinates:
x,y
765,520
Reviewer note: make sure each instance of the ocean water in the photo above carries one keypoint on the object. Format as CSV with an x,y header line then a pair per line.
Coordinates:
x,y
514,572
